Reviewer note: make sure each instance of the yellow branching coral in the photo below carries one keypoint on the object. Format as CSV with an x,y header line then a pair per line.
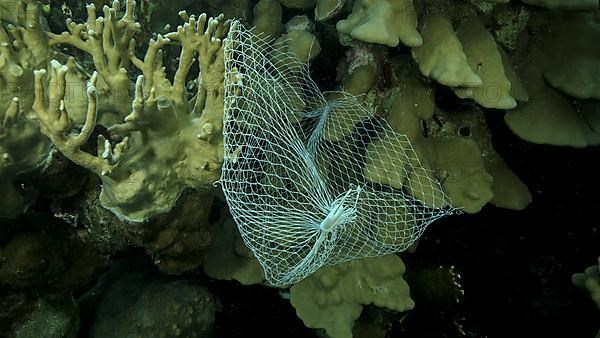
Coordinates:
x,y
23,46
22,148
167,143
110,43
19,12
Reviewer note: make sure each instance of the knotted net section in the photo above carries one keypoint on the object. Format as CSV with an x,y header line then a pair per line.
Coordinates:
x,y
312,181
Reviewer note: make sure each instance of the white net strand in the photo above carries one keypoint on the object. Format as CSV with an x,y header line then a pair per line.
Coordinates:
x,y
312,182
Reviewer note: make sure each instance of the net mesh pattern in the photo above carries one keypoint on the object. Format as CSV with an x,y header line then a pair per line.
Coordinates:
x,y
314,178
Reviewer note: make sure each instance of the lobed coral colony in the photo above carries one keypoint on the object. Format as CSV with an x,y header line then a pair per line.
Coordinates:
x,y
112,137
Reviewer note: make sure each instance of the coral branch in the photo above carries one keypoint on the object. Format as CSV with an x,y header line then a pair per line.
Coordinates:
x,y
55,123
110,42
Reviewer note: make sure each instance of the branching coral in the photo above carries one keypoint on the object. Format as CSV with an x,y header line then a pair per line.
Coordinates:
x,y
110,42
22,49
22,147
166,143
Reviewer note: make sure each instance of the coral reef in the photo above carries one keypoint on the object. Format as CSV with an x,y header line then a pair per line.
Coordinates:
x,y
333,297
22,147
441,56
167,144
484,58
111,142
562,109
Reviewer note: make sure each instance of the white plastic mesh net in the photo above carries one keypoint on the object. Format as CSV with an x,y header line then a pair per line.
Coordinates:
x,y
310,181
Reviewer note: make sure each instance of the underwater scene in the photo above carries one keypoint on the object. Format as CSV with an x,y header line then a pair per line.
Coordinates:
x,y
299,168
